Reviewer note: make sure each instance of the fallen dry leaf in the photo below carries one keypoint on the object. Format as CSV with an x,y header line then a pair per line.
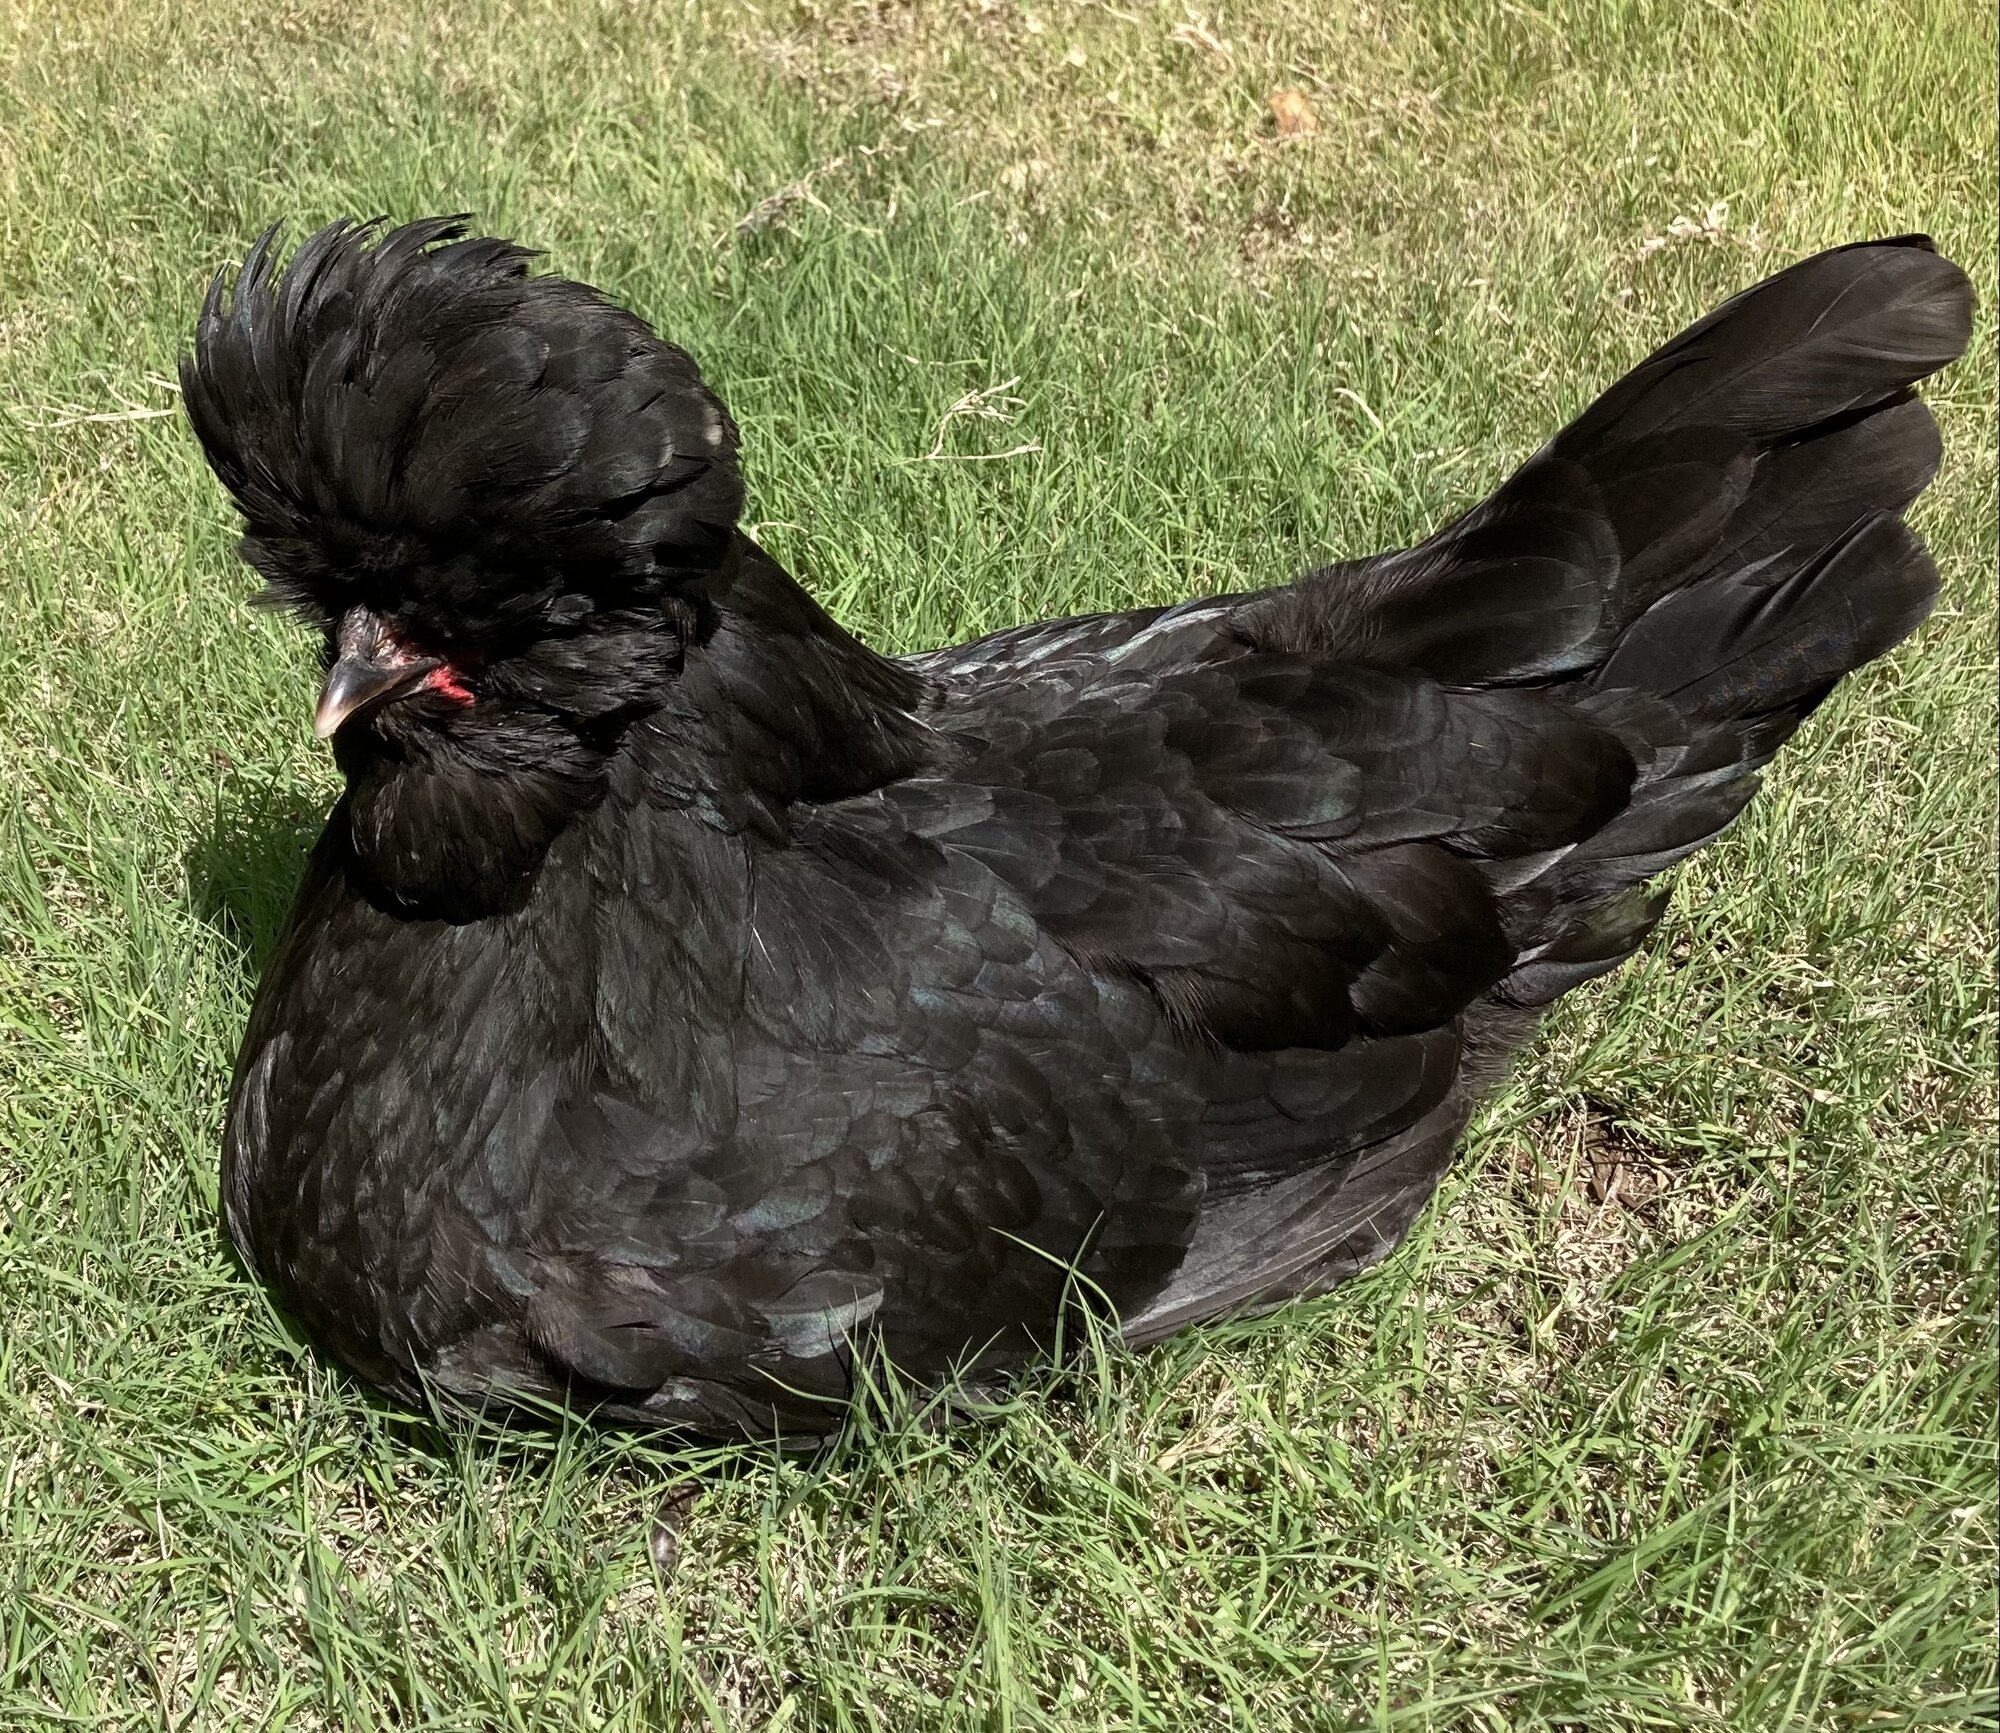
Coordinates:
x,y
1622,1182
1293,113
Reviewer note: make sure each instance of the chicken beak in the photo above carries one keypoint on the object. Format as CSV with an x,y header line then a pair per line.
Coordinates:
x,y
368,668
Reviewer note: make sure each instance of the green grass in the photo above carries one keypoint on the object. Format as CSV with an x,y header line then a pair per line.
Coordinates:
x,y
1712,1449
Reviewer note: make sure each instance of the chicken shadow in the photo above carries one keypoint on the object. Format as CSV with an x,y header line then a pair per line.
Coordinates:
x,y
244,867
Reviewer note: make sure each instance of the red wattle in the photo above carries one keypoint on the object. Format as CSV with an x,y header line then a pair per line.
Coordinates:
x,y
444,681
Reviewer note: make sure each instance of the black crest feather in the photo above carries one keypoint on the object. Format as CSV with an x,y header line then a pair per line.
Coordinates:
x,y
409,420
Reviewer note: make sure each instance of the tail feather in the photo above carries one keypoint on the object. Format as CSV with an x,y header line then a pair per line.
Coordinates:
x,y
1837,332
1771,635
1815,486
1697,560
1762,434
1692,564
1812,574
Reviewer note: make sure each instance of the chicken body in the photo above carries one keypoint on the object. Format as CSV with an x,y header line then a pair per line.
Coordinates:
x,y
684,999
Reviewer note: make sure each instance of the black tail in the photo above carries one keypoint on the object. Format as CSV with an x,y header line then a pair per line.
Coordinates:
x,y
1699,557
1694,562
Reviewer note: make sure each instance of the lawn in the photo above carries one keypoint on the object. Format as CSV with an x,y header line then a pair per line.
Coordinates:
x,y
1677,1411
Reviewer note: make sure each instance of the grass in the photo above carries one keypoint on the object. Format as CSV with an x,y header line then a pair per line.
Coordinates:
x,y
1677,1411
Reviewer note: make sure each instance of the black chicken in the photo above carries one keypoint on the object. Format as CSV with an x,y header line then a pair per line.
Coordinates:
x,y
683,997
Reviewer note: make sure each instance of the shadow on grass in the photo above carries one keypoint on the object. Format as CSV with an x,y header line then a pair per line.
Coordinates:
x,y
244,868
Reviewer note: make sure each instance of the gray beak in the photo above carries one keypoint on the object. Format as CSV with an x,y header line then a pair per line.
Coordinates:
x,y
369,668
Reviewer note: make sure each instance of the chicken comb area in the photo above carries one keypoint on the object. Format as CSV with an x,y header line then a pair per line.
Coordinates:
x,y
408,419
